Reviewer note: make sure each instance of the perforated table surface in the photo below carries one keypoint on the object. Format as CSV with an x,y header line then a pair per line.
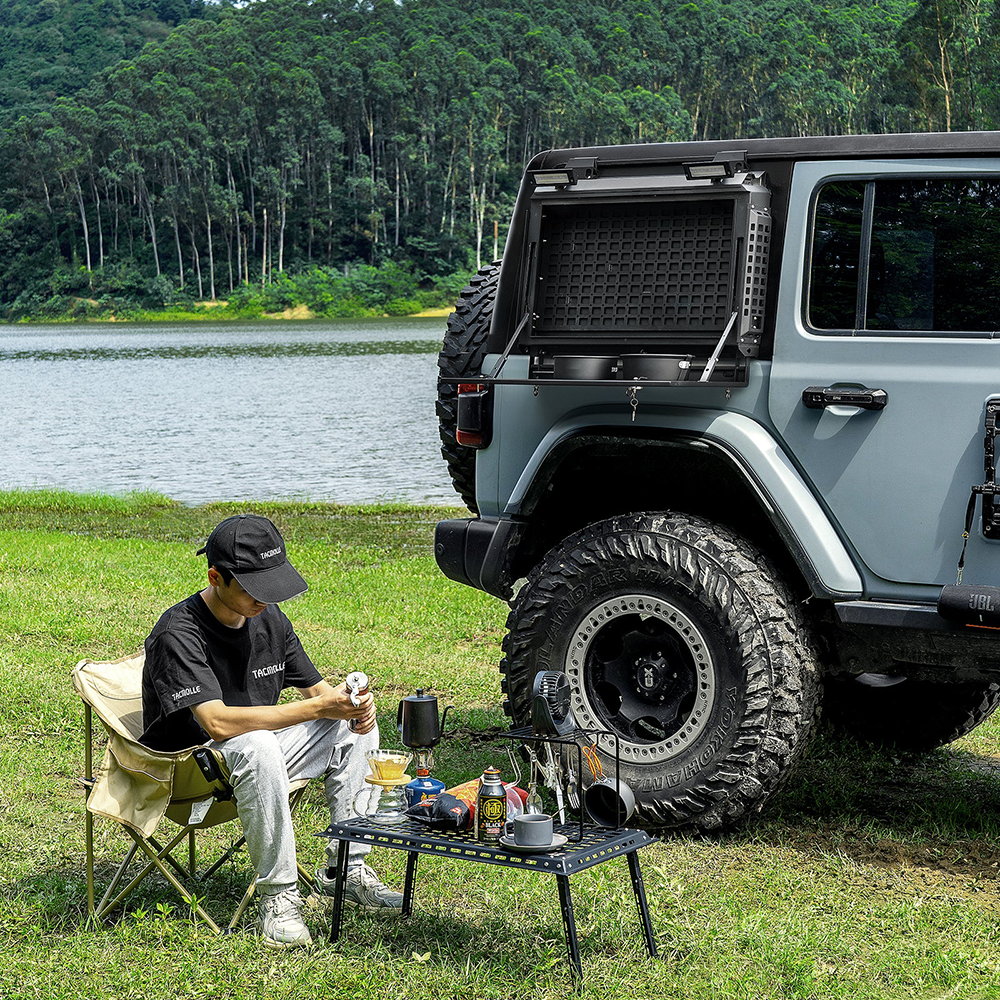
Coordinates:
x,y
580,852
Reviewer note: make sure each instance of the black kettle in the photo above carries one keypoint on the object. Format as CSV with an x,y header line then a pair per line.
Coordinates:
x,y
418,722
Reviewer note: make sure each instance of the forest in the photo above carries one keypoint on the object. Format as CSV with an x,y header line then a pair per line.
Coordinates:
x,y
363,157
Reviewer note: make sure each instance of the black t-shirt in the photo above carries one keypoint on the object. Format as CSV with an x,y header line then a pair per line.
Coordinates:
x,y
191,657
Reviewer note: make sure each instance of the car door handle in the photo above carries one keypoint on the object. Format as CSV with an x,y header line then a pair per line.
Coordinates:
x,y
818,397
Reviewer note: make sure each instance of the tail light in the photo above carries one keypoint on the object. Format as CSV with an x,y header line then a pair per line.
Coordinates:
x,y
473,424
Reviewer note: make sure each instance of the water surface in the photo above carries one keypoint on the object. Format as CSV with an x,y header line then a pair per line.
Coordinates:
x,y
337,410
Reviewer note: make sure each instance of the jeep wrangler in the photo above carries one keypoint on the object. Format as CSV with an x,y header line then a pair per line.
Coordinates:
x,y
725,413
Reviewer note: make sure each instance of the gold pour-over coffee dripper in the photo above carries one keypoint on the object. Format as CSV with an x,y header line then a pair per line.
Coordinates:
x,y
384,794
388,765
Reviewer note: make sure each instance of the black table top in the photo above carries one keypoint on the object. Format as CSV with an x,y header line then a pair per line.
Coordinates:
x,y
596,845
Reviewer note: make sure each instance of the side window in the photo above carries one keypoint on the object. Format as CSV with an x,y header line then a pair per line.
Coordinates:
x,y
920,259
833,288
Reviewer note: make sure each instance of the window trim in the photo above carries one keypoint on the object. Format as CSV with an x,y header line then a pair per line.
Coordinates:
x,y
867,222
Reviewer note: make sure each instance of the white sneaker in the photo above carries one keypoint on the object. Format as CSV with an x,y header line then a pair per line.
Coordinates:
x,y
363,889
281,924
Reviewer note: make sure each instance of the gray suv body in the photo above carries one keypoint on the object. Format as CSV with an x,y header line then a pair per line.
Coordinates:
x,y
725,415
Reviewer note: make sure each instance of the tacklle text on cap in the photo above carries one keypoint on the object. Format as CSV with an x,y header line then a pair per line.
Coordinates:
x,y
252,549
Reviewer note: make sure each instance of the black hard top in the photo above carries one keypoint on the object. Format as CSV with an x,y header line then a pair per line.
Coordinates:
x,y
819,147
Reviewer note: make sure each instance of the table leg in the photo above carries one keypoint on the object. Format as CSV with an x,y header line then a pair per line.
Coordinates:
x,y
566,902
640,898
338,891
411,871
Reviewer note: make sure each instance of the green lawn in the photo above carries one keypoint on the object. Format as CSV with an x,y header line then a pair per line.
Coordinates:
x,y
868,877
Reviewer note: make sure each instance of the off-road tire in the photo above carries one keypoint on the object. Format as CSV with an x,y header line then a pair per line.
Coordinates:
x,y
910,715
462,356
732,634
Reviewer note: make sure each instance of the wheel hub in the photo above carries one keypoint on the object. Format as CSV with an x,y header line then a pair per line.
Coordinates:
x,y
639,667
651,675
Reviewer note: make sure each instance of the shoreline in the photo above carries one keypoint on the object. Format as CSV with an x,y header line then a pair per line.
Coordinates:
x,y
22,499
215,312
140,517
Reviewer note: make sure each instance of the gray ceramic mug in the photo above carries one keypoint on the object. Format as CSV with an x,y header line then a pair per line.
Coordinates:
x,y
530,830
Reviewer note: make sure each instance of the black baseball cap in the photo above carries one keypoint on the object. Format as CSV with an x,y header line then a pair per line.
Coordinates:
x,y
252,549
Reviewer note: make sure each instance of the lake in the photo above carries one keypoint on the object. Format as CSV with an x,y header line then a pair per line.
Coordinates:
x,y
339,410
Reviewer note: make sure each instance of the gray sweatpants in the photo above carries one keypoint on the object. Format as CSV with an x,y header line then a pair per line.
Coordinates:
x,y
261,766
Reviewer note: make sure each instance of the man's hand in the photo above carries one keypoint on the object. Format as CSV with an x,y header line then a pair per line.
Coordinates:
x,y
335,703
321,701
366,721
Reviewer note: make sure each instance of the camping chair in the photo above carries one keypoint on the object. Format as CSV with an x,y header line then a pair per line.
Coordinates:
x,y
136,787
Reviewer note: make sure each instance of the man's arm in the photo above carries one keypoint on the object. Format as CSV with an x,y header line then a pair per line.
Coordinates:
x,y
320,701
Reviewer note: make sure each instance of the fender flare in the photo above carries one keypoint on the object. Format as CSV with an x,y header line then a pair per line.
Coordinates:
x,y
796,515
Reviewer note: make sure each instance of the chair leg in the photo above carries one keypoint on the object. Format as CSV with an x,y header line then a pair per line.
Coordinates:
x,y
158,856
89,838
164,851
103,906
88,784
244,903
306,877
234,847
166,855
190,897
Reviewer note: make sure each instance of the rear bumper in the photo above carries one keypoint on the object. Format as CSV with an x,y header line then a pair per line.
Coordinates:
x,y
479,552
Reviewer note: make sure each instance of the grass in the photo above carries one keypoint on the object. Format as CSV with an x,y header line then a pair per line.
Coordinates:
x,y
870,875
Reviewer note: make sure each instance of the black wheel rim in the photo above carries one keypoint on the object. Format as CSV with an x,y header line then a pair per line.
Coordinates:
x,y
639,667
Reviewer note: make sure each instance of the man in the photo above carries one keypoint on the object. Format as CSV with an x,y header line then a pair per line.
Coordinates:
x,y
215,666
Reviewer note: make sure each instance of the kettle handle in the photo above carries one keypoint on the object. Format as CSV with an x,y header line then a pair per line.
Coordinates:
x,y
444,715
399,717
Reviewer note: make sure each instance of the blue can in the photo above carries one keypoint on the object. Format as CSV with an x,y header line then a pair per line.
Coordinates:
x,y
422,787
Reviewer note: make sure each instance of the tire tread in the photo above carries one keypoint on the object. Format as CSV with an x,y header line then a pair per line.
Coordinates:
x,y
462,355
783,685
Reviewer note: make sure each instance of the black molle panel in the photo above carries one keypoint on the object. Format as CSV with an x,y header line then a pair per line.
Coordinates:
x,y
758,246
631,268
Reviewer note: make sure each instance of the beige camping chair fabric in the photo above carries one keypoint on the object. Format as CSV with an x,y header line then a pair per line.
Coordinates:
x,y
137,787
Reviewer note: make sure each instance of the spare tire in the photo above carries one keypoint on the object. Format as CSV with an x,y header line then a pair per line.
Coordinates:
x,y
462,356
683,645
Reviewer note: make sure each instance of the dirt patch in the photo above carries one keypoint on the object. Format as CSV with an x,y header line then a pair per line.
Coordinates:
x,y
476,736
880,866
910,826
293,312
989,766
